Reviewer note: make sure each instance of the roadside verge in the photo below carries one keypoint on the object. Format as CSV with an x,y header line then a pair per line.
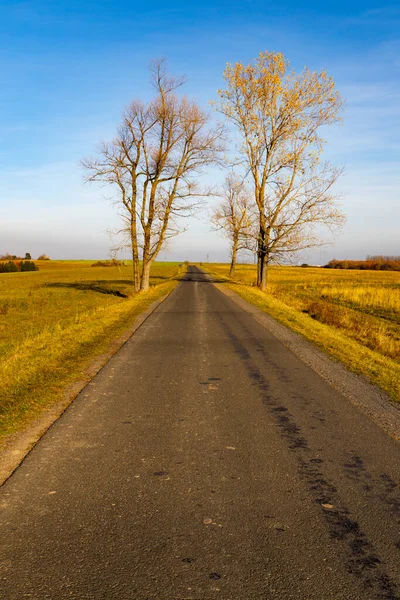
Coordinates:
x,y
367,396
17,446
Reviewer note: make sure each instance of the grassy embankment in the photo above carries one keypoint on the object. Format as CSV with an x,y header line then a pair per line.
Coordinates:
x,y
353,315
53,322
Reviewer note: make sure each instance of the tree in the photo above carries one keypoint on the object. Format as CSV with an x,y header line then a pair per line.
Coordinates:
x,y
8,267
235,217
278,116
27,256
28,265
160,148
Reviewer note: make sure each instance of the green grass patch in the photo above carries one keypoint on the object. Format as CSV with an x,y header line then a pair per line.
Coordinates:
x,y
55,321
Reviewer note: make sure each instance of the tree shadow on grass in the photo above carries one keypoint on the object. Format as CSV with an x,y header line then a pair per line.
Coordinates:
x,y
90,286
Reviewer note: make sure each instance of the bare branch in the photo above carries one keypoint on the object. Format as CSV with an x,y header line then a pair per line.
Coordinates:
x,y
235,217
160,148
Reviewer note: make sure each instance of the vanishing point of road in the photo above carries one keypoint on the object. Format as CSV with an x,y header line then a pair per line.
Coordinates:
x,y
205,460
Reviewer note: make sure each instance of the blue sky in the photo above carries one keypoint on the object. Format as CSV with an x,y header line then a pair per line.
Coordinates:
x,y
68,68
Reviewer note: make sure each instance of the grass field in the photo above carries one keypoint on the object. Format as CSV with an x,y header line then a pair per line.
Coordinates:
x,y
354,315
55,320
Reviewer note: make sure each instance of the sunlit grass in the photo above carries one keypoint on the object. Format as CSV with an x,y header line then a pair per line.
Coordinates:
x,y
54,321
354,315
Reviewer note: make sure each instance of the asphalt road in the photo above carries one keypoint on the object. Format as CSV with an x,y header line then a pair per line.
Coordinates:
x,y
205,461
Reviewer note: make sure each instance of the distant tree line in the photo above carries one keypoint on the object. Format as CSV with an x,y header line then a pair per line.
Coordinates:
x,y
384,258
377,263
8,257
10,266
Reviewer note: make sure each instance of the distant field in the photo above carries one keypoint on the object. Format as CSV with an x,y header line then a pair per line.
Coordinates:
x,y
53,321
355,315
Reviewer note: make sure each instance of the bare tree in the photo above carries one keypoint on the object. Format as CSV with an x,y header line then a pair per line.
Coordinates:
x,y
235,217
153,162
278,115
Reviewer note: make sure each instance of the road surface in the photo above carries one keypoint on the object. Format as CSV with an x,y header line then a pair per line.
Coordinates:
x,y
205,461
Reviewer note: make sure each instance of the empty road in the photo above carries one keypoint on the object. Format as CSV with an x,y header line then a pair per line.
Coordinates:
x,y
205,461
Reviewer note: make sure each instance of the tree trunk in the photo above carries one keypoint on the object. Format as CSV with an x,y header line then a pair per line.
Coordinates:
x,y
233,257
137,277
135,256
264,273
258,268
260,255
263,258
145,279
145,283
136,271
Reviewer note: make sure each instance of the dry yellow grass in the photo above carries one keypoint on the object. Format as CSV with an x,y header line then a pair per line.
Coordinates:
x,y
354,315
53,322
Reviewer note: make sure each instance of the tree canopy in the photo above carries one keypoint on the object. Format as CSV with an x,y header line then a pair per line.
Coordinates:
x,y
279,115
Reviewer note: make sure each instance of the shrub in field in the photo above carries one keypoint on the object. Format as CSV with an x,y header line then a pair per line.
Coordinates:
x,y
8,267
28,265
13,267
325,312
108,263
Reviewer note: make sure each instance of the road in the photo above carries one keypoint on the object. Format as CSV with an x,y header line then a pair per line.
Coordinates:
x,y
205,460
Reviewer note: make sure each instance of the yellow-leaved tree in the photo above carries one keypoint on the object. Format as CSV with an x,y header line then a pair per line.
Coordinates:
x,y
279,115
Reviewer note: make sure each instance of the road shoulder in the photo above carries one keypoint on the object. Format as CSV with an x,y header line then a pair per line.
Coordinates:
x,y
367,397
17,446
